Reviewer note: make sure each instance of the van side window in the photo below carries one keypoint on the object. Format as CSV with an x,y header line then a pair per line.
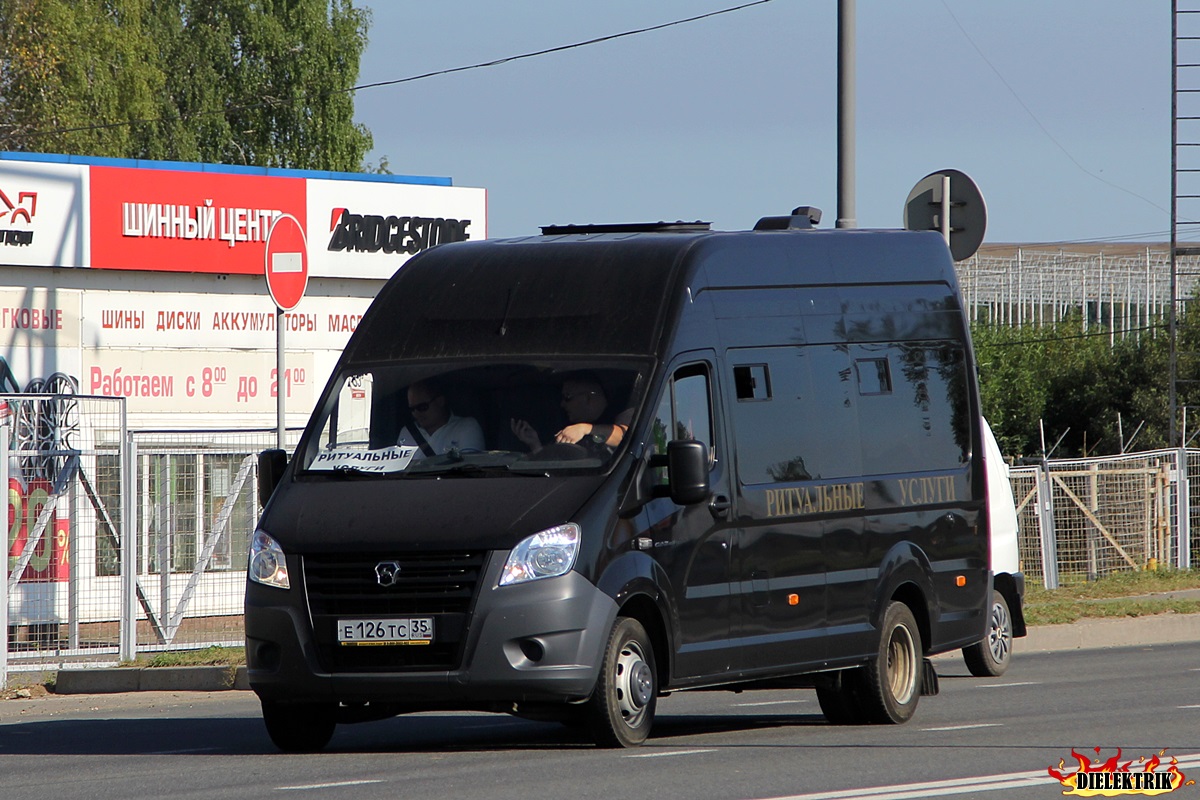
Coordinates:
x,y
927,402
685,410
805,427
752,382
874,375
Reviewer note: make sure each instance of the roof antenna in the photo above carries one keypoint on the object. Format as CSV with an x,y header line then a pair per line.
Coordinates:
x,y
507,305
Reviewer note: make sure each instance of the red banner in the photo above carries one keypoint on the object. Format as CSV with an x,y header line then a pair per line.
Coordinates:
x,y
148,219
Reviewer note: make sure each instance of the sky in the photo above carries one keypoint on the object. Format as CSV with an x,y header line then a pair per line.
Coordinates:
x,y
1059,110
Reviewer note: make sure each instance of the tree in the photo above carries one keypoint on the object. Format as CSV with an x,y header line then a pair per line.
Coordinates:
x,y
1094,388
227,81
1011,363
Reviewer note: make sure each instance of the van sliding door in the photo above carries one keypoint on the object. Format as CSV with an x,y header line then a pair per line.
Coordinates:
x,y
799,542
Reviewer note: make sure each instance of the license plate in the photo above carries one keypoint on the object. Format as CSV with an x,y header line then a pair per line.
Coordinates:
x,y
385,631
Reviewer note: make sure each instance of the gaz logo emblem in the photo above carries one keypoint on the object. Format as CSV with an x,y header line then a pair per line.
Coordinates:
x,y
387,573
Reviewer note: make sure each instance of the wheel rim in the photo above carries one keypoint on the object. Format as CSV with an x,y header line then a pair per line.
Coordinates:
x,y
1000,634
634,684
902,665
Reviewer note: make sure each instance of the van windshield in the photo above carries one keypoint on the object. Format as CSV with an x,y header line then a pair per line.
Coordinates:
x,y
476,420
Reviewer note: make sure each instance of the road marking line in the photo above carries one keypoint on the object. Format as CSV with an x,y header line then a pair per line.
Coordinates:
x,y
311,786
768,703
984,783
1197,706
1006,685
671,753
966,727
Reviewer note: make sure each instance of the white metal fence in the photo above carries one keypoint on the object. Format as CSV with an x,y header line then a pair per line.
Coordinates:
x,y
81,485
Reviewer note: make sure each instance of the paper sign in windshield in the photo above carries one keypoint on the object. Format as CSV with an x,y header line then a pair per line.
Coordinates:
x,y
387,459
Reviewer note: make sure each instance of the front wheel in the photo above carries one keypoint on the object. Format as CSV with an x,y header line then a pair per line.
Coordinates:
x,y
621,709
991,657
299,727
894,675
842,697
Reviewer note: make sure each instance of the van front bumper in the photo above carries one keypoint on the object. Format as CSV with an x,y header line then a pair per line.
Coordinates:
x,y
536,642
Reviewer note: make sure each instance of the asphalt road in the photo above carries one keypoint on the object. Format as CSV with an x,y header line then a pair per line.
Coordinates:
x,y
989,738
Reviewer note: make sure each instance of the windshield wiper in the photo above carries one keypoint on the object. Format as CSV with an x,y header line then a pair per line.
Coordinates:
x,y
347,471
460,470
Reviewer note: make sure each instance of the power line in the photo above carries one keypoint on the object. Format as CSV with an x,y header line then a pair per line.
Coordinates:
x,y
1038,122
481,65
1050,339
560,48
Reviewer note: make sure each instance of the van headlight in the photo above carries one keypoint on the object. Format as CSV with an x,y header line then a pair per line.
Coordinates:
x,y
547,554
268,565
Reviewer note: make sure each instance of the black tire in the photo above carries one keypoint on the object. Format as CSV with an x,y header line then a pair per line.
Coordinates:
x,y
621,709
843,698
991,657
894,675
299,727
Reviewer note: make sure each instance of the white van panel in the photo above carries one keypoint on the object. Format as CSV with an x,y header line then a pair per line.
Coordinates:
x,y
1002,509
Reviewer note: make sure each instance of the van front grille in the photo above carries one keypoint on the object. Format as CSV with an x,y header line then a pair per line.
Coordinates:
x,y
440,586
425,583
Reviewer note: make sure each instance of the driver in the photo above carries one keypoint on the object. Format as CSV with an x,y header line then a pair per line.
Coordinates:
x,y
442,429
586,405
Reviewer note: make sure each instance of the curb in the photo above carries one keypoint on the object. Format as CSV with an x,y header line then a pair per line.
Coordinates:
x,y
1092,633
151,679
1088,633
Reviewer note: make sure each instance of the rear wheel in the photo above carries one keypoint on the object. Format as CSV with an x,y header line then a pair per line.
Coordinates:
x,y
894,675
991,657
621,710
299,727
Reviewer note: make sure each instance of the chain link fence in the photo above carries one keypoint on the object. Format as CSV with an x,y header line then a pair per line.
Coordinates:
x,y
1083,519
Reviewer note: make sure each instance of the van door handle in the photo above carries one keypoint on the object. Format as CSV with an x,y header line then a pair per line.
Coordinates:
x,y
719,506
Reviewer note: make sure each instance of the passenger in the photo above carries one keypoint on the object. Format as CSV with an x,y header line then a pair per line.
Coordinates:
x,y
586,405
442,429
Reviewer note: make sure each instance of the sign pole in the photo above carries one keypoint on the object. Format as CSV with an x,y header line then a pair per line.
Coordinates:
x,y
281,424
946,209
286,270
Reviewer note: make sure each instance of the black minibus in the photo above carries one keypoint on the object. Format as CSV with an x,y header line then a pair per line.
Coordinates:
x,y
565,475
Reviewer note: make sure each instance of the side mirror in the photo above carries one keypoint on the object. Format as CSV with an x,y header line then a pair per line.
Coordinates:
x,y
271,464
687,471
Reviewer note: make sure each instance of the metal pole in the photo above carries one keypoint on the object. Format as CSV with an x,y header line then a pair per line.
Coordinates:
x,y
281,425
129,540
4,433
1173,439
946,209
1183,511
845,137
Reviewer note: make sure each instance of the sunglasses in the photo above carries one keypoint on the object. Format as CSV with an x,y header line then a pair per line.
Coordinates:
x,y
566,398
420,408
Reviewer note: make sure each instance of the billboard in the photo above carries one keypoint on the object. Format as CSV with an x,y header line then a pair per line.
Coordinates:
x,y
43,214
209,219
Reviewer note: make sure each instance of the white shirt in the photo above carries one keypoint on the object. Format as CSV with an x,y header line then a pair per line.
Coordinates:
x,y
459,433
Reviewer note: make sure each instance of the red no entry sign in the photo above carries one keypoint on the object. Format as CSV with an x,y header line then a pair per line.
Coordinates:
x,y
287,262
